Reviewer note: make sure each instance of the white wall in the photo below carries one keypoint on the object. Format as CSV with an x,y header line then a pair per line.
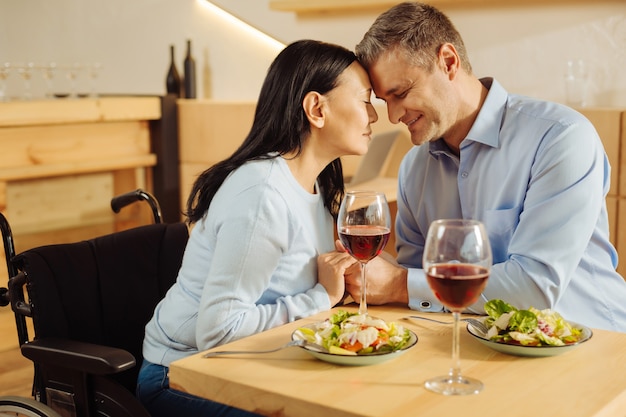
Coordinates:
x,y
525,47
131,39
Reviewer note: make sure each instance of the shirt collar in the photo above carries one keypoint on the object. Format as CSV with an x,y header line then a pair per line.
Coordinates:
x,y
486,127
440,147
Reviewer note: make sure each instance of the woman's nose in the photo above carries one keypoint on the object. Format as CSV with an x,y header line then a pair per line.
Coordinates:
x,y
373,114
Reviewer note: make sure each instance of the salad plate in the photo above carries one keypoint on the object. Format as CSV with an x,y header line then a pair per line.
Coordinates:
x,y
355,360
528,332
529,351
355,339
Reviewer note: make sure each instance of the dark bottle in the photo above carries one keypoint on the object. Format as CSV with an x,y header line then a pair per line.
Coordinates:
x,y
190,73
172,82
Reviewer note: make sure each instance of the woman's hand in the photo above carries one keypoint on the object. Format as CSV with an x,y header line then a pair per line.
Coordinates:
x,y
331,268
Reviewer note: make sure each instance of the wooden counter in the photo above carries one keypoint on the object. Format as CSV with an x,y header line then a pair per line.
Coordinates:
x,y
63,160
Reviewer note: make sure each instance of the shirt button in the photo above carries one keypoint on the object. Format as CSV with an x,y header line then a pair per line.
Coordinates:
x,y
464,174
425,304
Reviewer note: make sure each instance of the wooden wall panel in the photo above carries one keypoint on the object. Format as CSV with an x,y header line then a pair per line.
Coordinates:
x,y
608,124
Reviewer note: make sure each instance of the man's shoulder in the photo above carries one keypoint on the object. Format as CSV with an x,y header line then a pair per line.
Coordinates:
x,y
529,110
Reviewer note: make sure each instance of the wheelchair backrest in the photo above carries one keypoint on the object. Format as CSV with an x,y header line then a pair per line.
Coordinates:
x,y
103,290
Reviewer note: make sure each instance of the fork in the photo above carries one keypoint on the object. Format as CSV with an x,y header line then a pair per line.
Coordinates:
x,y
297,343
479,325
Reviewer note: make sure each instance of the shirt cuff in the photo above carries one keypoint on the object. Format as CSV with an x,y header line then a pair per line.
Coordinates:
x,y
421,297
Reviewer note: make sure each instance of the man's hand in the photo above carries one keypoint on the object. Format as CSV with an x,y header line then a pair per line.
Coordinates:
x,y
386,280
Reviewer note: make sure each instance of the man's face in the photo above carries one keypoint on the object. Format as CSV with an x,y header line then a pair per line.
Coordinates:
x,y
421,99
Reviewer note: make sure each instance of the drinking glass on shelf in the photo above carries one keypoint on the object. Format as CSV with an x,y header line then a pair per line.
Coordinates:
x,y
576,82
363,226
457,262
26,72
5,71
48,72
93,71
72,73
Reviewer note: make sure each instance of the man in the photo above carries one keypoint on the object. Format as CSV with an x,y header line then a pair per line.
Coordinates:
x,y
534,172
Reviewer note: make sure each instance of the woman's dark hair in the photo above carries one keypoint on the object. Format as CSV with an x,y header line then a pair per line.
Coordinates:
x,y
280,124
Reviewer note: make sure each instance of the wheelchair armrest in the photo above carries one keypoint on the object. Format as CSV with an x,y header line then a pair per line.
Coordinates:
x,y
86,357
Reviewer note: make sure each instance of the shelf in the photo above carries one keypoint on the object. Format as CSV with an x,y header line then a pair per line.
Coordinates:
x,y
354,6
84,110
76,168
307,6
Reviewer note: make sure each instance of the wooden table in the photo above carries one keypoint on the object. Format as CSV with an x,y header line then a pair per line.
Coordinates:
x,y
587,381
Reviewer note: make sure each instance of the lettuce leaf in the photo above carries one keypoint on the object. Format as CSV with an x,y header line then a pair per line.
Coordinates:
x,y
523,321
496,308
531,327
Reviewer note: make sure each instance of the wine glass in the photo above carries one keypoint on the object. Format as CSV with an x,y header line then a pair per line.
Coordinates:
x,y
363,226
72,73
26,72
93,71
48,71
457,261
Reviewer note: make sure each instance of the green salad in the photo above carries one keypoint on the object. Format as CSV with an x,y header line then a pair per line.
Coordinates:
x,y
531,327
346,333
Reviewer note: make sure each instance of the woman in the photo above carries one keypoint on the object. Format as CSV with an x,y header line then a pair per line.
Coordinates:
x,y
261,250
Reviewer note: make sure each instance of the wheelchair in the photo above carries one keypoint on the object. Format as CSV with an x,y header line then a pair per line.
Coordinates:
x,y
89,302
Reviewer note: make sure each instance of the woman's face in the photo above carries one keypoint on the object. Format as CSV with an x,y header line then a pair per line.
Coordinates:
x,y
349,113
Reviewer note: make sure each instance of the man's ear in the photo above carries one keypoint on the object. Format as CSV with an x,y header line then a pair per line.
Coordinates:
x,y
449,59
313,105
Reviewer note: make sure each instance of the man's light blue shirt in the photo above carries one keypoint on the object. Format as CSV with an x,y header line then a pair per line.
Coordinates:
x,y
536,174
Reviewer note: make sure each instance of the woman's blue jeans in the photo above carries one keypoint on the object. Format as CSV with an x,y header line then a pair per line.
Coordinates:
x,y
153,390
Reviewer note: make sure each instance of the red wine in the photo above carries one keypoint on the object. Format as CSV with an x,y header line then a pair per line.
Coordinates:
x,y
364,242
457,285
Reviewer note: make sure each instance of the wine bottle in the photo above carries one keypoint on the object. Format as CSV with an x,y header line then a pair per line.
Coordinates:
x,y
190,73
172,82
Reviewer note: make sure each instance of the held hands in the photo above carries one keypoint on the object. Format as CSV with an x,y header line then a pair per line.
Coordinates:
x,y
386,279
331,268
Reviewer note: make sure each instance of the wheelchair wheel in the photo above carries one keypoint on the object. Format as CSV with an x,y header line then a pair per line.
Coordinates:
x,y
24,407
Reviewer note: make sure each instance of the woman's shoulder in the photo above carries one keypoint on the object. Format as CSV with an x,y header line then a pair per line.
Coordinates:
x,y
258,171
254,179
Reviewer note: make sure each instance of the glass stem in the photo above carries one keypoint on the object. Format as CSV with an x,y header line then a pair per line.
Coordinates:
x,y
363,303
455,370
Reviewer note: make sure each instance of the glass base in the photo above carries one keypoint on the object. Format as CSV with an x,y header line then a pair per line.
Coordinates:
x,y
447,385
